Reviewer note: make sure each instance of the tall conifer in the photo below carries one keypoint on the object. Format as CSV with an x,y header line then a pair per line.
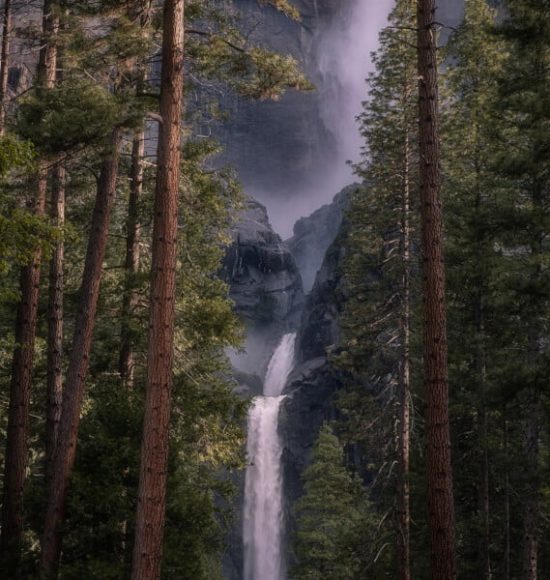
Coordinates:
x,y
155,442
438,445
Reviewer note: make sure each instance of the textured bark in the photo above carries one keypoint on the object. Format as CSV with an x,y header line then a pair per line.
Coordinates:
x,y
532,499
403,450
73,393
130,298
20,389
4,62
155,441
55,320
16,458
438,452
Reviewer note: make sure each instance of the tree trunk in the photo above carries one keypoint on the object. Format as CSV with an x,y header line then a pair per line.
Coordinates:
x,y
20,389
130,298
55,320
73,393
4,63
438,452
532,500
483,490
155,441
480,362
507,531
403,461
15,465
54,383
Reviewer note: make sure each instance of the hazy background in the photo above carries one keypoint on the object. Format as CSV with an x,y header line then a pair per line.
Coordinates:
x,y
292,155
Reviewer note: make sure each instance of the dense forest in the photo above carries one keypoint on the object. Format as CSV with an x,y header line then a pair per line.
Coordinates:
x,y
184,395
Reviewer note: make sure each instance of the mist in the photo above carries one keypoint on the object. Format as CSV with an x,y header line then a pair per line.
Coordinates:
x,y
343,56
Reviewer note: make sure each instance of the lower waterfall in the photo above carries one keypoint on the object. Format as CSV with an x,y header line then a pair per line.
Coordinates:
x,y
263,502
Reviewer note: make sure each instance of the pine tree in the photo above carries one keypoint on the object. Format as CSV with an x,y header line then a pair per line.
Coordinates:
x,y
438,445
525,282
332,517
23,356
379,269
472,192
150,516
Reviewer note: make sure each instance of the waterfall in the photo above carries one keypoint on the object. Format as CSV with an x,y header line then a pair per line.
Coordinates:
x,y
263,503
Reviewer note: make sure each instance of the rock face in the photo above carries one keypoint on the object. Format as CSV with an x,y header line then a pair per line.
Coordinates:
x,y
314,234
281,146
265,285
315,381
276,146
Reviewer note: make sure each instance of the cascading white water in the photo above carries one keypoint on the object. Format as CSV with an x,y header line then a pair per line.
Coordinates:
x,y
263,503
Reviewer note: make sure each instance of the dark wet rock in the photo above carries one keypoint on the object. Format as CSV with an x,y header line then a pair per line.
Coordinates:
x,y
314,234
315,381
265,285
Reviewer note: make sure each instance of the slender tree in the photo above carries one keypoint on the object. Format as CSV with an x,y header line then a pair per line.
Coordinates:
x,y
332,517
154,452
5,62
55,317
471,195
389,126
438,456
525,103
131,266
73,393
142,13
22,365
54,373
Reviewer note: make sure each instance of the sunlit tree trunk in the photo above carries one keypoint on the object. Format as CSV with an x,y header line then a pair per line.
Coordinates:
x,y
5,62
130,298
438,453
150,518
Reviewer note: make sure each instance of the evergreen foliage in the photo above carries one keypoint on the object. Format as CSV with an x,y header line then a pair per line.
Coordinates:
x,y
335,529
353,520
108,80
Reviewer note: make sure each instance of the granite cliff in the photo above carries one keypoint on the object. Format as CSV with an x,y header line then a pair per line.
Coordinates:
x,y
265,285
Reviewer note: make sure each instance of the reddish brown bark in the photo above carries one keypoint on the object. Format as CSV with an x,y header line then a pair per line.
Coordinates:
x,y
130,298
4,63
73,392
155,441
15,465
438,453
20,390
55,320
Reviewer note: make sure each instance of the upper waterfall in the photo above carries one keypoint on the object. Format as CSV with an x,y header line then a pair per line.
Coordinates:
x,y
280,366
